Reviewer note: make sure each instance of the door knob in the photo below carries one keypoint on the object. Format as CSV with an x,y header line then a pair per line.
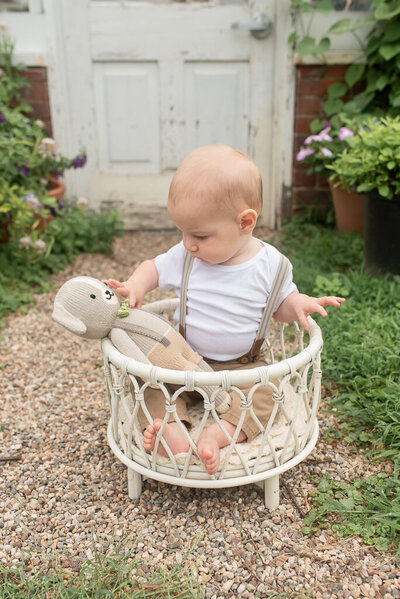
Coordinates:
x,y
260,26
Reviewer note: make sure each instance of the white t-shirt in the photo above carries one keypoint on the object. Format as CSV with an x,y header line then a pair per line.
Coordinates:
x,y
224,303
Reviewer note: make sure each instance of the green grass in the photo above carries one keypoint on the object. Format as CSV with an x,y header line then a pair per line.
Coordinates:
x,y
114,575
360,364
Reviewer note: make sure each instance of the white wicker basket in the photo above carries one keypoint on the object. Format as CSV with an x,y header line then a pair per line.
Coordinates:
x,y
289,436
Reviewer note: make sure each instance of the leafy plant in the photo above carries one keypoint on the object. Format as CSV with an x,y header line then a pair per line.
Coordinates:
x,y
25,270
27,158
37,235
368,508
374,81
371,160
360,370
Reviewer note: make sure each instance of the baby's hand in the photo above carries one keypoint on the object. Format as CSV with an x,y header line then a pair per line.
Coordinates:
x,y
306,305
127,289
298,306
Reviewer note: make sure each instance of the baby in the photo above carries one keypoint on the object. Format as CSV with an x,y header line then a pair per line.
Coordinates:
x,y
214,199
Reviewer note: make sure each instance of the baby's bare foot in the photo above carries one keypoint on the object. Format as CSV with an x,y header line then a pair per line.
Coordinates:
x,y
208,450
172,435
211,440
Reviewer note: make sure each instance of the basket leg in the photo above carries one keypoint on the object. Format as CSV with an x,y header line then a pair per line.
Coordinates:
x,y
134,484
271,492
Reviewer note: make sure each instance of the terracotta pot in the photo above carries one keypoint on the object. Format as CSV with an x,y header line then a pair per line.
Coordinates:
x,y
348,209
56,188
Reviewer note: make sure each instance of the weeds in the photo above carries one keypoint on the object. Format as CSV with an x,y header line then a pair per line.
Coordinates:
x,y
361,372
114,575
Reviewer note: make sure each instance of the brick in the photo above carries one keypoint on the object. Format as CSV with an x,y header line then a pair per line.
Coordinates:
x,y
313,87
306,71
38,74
322,182
38,92
308,105
310,195
336,71
302,124
301,179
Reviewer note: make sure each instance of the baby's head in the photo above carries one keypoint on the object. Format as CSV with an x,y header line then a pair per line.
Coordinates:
x,y
215,198
219,176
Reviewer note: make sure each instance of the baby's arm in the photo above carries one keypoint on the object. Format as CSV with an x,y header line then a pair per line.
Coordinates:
x,y
297,306
142,280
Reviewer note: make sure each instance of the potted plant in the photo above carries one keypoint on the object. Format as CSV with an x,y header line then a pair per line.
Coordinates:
x,y
319,151
371,165
30,163
27,156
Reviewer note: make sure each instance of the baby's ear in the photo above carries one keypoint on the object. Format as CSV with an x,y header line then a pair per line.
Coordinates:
x,y
247,220
68,320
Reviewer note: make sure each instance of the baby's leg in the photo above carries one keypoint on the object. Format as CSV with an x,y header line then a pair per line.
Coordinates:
x,y
211,440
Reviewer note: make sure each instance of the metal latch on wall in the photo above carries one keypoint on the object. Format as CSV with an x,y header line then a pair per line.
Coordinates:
x,y
260,26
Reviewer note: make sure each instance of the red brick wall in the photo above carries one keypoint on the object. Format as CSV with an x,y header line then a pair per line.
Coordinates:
x,y
37,95
312,82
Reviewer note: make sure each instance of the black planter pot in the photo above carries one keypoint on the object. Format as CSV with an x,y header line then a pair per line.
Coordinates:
x,y
381,234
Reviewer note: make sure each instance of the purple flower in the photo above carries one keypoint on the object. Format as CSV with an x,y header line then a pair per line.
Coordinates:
x,y
59,174
2,118
321,136
24,170
79,161
304,152
327,152
345,132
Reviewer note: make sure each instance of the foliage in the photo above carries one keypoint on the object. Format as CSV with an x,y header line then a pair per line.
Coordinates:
x,y
371,160
368,508
374,82
27,158
360,358
25,270
12,81
38,235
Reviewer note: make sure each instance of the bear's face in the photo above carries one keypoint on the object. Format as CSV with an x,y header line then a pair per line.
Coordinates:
x,y
86,306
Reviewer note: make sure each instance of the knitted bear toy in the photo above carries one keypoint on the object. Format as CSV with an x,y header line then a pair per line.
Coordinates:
x,y
89,308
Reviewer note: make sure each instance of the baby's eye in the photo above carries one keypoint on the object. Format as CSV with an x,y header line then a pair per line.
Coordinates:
x,y
200,236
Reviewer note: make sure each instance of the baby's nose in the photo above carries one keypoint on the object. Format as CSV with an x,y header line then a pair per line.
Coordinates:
x,y
189,244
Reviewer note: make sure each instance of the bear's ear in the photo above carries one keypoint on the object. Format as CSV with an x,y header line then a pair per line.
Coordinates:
x,y
67,320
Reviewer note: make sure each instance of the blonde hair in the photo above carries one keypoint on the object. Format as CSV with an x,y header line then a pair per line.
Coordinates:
x,y
219,174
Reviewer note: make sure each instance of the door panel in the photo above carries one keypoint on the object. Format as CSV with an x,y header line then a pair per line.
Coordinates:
x,y
217,106
147,83
127,115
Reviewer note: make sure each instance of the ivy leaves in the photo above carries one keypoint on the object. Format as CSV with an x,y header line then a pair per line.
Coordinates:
x,y
372,85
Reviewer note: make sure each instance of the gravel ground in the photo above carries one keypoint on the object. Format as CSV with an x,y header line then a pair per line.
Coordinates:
x,y
68,493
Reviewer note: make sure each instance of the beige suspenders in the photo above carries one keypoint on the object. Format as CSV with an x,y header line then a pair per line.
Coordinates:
x,y
265,323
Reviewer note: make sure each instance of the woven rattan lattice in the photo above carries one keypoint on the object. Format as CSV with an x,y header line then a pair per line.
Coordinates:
x,y
293,373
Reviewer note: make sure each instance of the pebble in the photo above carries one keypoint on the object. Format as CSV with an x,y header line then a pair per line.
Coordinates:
x,y
67,496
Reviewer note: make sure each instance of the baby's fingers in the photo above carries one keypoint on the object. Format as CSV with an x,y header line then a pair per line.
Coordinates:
x,y
112,283
331,300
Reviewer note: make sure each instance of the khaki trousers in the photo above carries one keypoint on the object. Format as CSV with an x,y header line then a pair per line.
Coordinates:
x,y
262,401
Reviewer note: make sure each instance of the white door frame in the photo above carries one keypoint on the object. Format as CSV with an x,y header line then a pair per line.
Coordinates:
x,y
64,17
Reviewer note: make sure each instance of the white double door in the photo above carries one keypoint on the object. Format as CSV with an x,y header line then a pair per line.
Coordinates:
x,y
140,84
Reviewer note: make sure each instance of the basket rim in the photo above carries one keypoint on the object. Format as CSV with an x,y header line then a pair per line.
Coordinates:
x,y
149,372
